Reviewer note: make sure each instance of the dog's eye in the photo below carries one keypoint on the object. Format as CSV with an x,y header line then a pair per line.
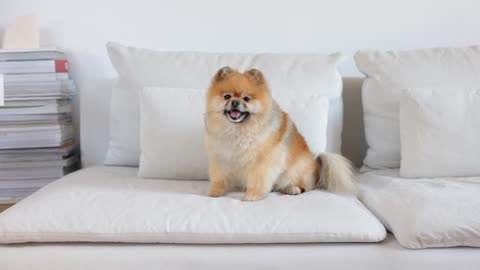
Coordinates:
x,y
247,99
227,96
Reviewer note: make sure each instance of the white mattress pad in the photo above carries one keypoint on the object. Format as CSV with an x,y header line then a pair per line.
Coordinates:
x,y
111,204
426,212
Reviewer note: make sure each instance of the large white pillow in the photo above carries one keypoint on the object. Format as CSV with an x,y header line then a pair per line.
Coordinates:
x,y
424,213
440,133
138,68
172,134
172,129
390,72
110,204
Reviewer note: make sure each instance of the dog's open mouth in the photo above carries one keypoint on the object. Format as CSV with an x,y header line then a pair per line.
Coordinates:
x,y
236,116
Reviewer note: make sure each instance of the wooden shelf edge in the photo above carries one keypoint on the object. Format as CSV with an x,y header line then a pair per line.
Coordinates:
x,y
4,206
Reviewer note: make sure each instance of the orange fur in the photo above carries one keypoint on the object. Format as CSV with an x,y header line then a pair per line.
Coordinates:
x,y
217,187
256,186
254,145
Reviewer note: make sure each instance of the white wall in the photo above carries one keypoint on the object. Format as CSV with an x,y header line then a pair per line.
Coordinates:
x,y
83,26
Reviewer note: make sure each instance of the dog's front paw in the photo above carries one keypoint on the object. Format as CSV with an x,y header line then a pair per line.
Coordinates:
x,y
215,193
217,189
251,197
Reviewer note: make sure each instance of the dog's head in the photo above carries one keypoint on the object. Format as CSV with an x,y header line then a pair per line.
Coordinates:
x,y
239,97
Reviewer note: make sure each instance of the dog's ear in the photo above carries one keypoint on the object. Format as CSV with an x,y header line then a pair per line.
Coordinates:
x,y
256,74
223,73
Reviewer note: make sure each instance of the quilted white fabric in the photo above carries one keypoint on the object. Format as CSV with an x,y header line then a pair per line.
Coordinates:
x,y
110,204
138,68
424,213
440,133
172,129
388,73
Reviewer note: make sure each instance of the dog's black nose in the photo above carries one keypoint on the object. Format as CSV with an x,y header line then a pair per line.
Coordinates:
x,y
235,103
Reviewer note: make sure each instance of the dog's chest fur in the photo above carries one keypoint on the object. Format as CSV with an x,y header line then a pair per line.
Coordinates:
x,y
235,148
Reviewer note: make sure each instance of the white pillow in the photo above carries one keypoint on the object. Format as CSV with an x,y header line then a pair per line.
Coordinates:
x,y
440,133
110,204
138,68
390,72
172,129
424,213
172,134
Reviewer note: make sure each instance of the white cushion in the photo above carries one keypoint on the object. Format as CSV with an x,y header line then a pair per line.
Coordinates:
x,y
424,213
440,133
172,129
172,134
138,68
390,72
109,204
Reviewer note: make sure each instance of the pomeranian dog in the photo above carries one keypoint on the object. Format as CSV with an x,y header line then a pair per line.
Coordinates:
x,y
254,146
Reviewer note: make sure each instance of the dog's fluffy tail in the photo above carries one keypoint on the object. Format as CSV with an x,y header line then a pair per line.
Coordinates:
x,y
336,174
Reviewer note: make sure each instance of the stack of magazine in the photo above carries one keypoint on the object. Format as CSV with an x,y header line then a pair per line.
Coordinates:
x,y
37,143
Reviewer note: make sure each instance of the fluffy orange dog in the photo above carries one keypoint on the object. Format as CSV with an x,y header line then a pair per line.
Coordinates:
x,y
255,147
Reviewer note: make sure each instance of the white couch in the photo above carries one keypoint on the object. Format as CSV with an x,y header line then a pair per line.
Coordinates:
x,y
385,255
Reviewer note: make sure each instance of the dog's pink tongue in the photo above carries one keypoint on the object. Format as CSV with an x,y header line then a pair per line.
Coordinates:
x,y
235,114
